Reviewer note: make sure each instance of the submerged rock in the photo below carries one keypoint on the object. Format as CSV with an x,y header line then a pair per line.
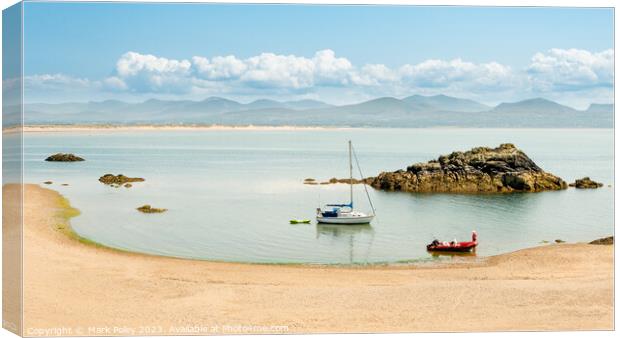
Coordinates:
x,y
118,180
586,183
147,209
334,180
604,241
310,181
48,182
559,241
60,157
479,170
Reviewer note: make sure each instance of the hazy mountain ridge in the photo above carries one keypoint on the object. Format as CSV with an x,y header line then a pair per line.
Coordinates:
x,y
444,102
411,111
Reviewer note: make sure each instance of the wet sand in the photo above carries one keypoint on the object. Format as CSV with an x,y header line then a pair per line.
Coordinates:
x,y
89,290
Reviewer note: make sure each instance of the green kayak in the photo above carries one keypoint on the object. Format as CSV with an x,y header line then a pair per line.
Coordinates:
x,y
300,221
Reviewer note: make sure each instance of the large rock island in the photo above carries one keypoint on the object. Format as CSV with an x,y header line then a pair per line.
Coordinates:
x,y
479,170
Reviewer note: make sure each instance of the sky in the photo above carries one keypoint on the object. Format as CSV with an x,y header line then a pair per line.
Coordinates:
x,y
337,54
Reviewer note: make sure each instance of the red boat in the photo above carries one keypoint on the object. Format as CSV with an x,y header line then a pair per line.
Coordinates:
x,y
454,246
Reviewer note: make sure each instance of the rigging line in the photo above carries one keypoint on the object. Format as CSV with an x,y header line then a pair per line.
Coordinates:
x,y
362,176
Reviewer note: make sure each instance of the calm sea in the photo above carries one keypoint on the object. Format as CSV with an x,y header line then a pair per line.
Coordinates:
x,y
231,193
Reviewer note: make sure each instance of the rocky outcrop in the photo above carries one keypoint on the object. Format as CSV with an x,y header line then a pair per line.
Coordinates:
x,y
604,241
147,209
586,183
60,157
479,170
118,180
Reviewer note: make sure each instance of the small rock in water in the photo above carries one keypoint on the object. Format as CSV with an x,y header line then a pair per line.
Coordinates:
x,y
147,209
310,181
559,241
60,157
118,180
65,184
334,180
604,241
48,182
128,185
586,183
544,241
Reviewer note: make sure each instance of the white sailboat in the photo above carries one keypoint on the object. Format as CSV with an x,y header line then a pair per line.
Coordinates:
x,y
344,213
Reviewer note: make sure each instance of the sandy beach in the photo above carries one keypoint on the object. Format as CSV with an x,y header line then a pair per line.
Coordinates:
x,y
89,290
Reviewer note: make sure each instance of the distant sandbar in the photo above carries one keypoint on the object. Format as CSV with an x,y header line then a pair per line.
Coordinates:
x,y
167,127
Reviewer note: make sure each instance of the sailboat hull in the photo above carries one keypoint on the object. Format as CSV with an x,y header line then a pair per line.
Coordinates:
x,y
345,219
344,213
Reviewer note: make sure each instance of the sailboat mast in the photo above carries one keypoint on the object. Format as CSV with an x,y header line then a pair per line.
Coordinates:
x,y
351,173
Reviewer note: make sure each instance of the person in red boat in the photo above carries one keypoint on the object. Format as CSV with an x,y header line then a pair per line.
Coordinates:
x,y
454,246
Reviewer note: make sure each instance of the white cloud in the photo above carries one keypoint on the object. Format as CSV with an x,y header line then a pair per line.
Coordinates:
x,y
145,72
280,71
219,68
569,75
114,83
458,73
132,63
55,82
269,71
571,69
331,70
374,75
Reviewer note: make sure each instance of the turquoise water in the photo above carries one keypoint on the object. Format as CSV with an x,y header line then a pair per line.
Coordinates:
x,y
230,193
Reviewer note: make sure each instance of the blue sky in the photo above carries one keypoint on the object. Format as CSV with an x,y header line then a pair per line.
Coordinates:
x,y
339,54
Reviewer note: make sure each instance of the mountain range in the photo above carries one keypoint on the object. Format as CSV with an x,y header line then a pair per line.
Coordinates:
x,y
411,111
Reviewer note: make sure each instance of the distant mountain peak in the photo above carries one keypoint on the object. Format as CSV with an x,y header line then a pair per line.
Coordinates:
x,y
384,99
216,98
264,101
538,100
443,102
412,111
537,104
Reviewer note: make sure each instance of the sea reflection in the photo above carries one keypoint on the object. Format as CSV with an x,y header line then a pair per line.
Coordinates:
x,y
358,239
342,230
446,254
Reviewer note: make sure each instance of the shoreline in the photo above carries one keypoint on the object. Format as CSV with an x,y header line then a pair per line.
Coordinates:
x,y
163,127
51,128
66,212
554,287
